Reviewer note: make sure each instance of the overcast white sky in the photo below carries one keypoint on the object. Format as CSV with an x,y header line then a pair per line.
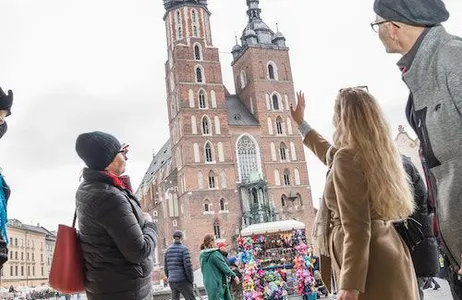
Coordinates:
x,y
84,65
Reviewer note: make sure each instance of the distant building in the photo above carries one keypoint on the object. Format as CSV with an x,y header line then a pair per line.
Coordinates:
x,y
410,148
29,255
231,160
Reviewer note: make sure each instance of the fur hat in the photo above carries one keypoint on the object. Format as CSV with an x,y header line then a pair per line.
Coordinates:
x,y
413,12
97,149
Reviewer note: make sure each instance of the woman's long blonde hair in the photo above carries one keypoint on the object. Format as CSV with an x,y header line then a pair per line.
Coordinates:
x,y
360,126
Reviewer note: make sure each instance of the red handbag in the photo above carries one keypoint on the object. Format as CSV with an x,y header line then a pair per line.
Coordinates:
x,y
66,273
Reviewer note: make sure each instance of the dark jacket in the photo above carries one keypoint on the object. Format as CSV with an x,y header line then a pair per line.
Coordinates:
x,y
425,255
117,242
177,263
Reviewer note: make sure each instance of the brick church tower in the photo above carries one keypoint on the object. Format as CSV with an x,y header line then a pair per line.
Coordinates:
x,y
231,160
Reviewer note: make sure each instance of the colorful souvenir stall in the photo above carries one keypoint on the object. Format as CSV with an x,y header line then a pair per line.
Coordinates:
x,y
276,261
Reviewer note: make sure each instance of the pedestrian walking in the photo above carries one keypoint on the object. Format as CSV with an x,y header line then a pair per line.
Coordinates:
x,y
117,238
425,253
428,283
215,271
431,66
6,102
237,291
366,189
179,269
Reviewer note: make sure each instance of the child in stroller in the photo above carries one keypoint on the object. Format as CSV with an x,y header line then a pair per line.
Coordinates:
x,y
321,288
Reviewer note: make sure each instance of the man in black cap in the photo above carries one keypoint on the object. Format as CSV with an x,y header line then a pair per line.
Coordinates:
x,y
431,67
178,268
6,102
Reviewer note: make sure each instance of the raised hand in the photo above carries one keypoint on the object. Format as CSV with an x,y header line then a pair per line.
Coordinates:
x,y
298,112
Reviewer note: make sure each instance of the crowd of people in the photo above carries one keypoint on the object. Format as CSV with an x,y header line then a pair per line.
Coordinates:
x,y
380,226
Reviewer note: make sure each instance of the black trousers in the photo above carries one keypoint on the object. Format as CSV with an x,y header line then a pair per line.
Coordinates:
x,y
455,282
185,288
454,279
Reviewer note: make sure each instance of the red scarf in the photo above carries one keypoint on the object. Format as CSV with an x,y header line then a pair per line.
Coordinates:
x,y
121,182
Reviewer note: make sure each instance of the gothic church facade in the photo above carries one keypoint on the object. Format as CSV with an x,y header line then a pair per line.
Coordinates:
x,y
231,160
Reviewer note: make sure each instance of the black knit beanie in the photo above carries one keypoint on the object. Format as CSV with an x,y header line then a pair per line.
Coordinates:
x,y
97,149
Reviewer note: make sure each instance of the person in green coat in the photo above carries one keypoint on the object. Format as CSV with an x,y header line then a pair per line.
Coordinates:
x,y
215,271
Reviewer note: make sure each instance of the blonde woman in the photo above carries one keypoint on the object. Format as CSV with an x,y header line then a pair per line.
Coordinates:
x,y
366,188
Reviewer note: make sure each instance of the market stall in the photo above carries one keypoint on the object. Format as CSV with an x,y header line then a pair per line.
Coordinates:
x,y
276,261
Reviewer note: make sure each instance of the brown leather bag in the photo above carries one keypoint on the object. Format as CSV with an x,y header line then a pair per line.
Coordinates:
x,y
67,273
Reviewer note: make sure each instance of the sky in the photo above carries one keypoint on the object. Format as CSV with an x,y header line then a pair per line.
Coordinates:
x,y
78,66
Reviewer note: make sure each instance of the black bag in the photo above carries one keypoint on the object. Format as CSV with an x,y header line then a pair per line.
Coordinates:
x,y
410,231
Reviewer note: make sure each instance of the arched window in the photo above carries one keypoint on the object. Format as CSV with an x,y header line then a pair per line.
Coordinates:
x,y
205,125
283,200
243,79
195,30
216,229
283,152
279,126
202,100
248,158
207,206
197,52
275,99
270,71
179,26
286,177
208,152
212,183
222,204
199,75
194,23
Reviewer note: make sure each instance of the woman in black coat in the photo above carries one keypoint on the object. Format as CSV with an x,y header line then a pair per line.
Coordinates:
x,y
117,238
425,255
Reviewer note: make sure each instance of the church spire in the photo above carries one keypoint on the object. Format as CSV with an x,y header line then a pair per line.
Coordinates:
x,y
253,11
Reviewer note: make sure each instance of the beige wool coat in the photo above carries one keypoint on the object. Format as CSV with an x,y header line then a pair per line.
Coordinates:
x,y
367,253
